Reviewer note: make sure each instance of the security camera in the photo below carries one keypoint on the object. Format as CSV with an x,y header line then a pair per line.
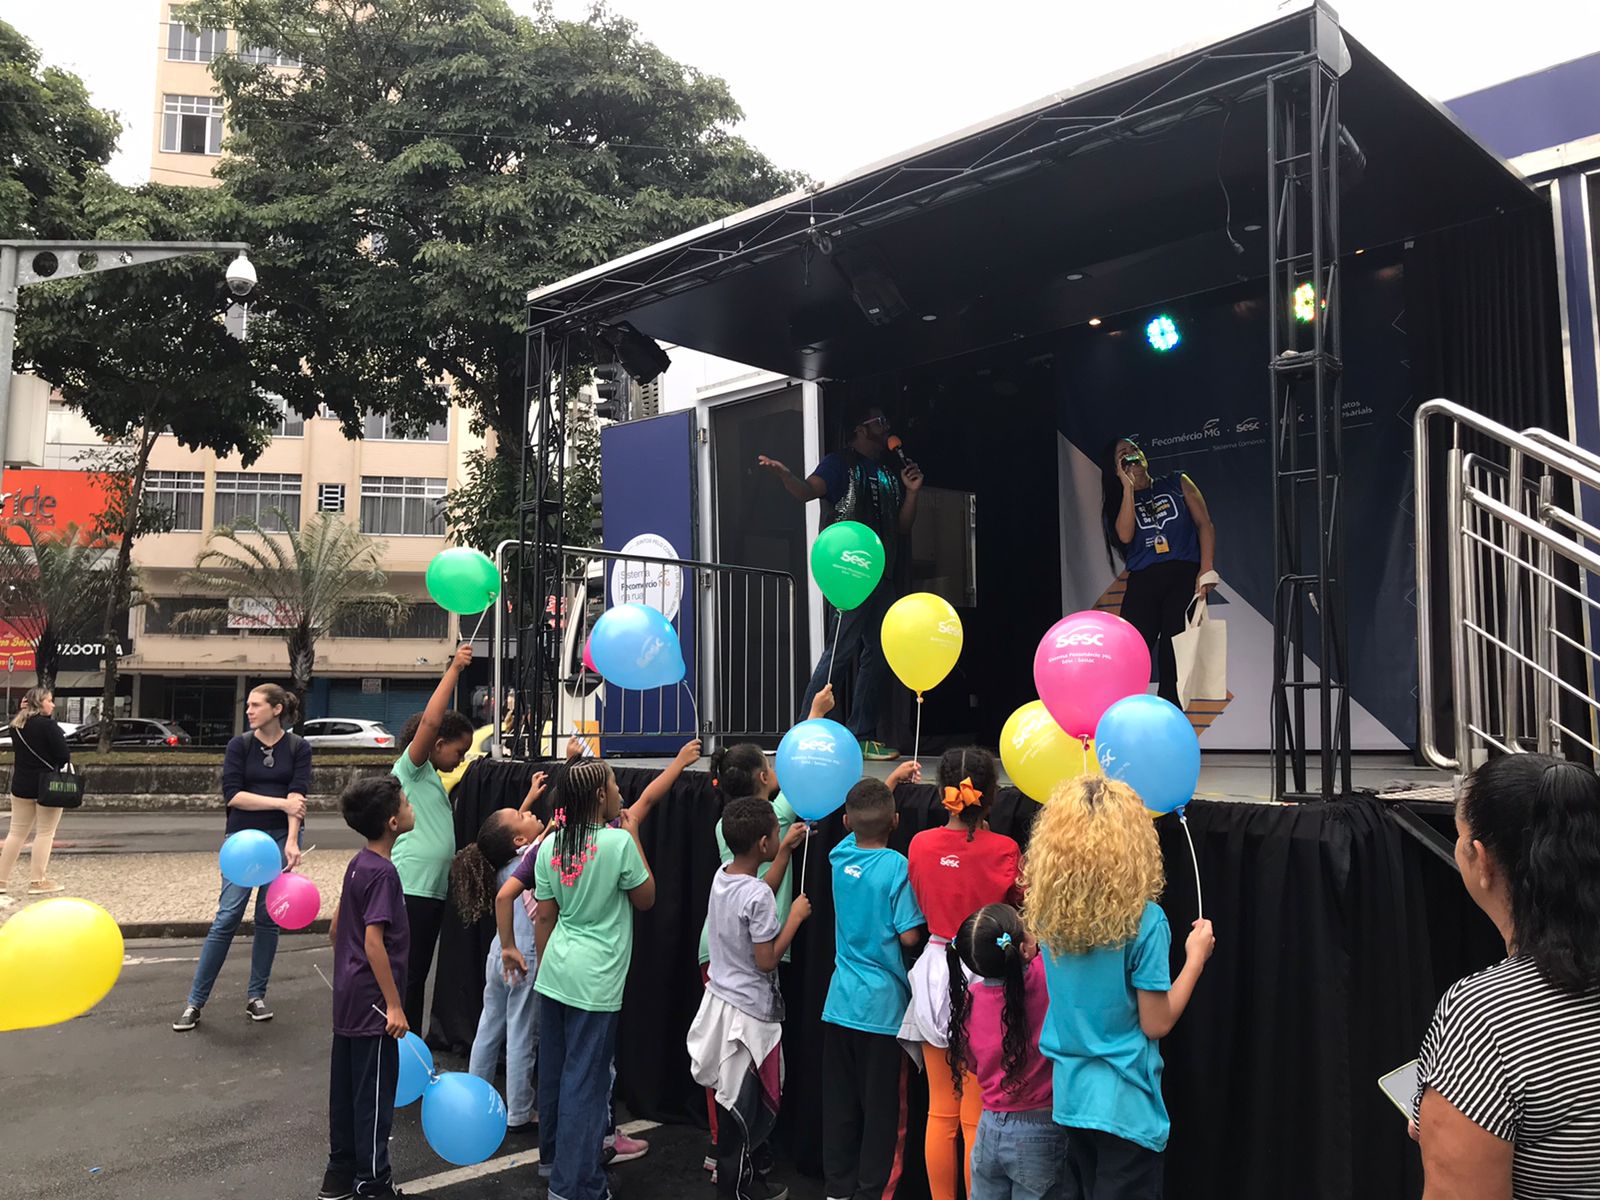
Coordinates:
x,y
241,276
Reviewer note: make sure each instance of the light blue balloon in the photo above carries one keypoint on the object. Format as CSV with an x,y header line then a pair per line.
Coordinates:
x,y
818,762
463,1118
635,646
414,1075
250,858
1148,744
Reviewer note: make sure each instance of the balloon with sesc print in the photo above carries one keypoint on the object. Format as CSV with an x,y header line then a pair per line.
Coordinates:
x,y
293,901
1147,743
818,762
463,1118
1038,755
634,646
1085,664
847,563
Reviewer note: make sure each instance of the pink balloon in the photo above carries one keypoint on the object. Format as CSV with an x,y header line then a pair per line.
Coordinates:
x,y
588,662
1085,664
293,901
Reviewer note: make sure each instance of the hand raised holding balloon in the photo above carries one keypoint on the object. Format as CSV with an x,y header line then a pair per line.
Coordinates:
x,y
798,832
462,659
822,702
909,771
1201,942
800,907
689,754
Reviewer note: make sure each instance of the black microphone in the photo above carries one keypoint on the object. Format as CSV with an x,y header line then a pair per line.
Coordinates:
x,y
896,448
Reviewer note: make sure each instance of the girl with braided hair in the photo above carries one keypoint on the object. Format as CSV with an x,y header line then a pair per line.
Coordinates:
x,y
1019,1152
955,869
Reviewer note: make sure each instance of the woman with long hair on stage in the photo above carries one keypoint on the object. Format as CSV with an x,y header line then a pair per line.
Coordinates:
x,y
1508,1079
1161,530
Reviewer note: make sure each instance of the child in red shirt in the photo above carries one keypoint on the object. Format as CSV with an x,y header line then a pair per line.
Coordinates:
x,y
955,870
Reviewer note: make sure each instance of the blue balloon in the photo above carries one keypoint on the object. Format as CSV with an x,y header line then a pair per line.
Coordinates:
x,y
635,646
250,858
1148,744
463,1118
414,1075
818,762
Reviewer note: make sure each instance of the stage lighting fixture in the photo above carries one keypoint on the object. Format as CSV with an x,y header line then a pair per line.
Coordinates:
x,y
1162,333
1305,303
1094,322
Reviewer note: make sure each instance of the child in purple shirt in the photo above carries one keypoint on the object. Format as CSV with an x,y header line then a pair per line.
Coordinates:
x,y
371,942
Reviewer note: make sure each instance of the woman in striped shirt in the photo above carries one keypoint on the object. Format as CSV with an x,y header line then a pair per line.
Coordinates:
x,y
1509,1097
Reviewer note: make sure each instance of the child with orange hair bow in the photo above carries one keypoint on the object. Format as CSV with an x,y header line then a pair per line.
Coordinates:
x,y
955,870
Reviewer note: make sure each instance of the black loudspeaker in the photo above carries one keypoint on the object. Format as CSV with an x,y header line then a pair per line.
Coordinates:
x,y
871,286
640,357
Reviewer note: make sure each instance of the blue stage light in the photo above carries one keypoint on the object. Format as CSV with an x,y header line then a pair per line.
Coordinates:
x,y
1162,333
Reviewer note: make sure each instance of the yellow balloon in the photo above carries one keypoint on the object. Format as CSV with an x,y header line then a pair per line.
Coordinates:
x,y
1039,755
921,639
58,959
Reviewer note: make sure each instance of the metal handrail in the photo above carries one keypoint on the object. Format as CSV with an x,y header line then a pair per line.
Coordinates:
x,y
1506,535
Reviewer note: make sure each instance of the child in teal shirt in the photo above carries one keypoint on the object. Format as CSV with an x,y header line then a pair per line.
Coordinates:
x,y
863,1066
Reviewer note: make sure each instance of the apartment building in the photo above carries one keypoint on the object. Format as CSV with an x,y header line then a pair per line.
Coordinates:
x,y
389,485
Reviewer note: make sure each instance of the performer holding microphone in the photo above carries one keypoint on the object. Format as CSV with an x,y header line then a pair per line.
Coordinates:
x,y
870,481
1161,529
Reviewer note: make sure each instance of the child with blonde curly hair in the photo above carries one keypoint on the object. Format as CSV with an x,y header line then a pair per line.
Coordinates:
x,y
1093,874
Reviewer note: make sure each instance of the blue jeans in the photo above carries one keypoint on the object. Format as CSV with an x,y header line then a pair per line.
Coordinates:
x,y
230,911
1020,1156
575,1051
510,1020
860,637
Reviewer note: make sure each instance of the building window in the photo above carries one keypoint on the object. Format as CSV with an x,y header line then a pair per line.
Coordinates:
x,y
266,56
191,125
182,493
290,423
185,44
255,494
401,506
381,427
330,497
422,621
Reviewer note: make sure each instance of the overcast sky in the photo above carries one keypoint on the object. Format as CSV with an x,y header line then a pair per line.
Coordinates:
x,y
827,85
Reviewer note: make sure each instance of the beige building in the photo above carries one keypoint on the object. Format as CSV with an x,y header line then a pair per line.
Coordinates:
x,y
390,486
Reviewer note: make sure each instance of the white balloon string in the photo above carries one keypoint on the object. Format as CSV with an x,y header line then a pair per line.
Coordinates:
x,y
916,742
805,852
482,616
833,655
1199,901
432,1072
694,706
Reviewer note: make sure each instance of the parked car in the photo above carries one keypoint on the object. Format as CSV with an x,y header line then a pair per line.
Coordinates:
x,y
346,731
67,727
132,731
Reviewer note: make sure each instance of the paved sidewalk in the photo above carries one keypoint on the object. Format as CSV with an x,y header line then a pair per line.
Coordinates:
x,y
162,895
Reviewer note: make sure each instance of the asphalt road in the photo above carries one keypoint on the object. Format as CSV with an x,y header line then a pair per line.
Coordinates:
x,y
116,1105
87,832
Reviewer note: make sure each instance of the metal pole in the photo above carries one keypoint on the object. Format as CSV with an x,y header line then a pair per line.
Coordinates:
x,y
8,338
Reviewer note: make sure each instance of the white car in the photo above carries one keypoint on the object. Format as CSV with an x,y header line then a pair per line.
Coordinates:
x,y
67,730
346,731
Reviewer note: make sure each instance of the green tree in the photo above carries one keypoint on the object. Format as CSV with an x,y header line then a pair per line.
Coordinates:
x,y
143,352
432,161
53,584
51,141
302,583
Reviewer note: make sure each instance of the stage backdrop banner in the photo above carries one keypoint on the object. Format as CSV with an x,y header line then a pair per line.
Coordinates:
x,y
1203,408
647,479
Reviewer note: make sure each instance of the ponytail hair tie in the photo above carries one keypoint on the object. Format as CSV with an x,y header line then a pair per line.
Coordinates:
x,y
1003,941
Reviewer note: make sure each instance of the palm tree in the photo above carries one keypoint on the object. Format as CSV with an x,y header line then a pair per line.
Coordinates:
x,y
53,588
300,582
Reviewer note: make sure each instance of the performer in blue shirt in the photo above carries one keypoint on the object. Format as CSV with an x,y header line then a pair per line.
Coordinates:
x,y
1161,530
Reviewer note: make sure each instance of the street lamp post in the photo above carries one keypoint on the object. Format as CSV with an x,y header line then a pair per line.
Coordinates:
x,y
23,263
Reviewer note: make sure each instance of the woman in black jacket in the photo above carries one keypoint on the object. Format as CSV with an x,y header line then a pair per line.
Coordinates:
x,y
39,747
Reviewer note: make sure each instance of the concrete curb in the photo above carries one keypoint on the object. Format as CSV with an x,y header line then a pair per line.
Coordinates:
x,y
198,929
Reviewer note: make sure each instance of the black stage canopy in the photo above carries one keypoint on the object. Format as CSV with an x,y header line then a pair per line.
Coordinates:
x,y
1136,188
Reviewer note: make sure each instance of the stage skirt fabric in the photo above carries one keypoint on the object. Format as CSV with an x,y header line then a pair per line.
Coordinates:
x,y
1336,934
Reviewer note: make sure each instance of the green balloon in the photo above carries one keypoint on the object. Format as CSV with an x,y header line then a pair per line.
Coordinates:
x,y
463,580
847,562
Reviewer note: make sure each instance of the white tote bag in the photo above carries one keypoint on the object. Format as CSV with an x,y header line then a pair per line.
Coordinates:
x,y
1202,654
